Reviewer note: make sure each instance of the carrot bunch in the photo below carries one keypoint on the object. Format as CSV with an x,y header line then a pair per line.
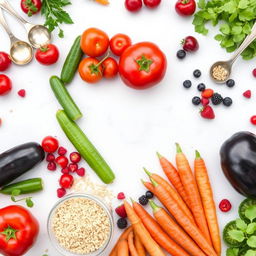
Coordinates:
x,y
188,226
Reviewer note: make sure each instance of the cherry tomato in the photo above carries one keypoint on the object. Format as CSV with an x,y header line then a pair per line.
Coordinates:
x,y
31,7
152,3
94,42
110,67
62,161
47,55
185,7
119,43
66,180
50,144
133,5
253,120
190,44
5,61
5,84
142,65
90,70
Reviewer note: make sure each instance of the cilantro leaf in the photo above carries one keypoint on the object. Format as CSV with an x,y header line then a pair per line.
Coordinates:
x,y
237,235
232,252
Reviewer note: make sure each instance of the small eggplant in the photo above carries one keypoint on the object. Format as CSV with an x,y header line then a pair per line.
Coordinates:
x,y
18,160
238,161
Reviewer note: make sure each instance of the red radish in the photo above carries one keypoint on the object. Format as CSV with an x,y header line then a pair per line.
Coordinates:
x,y
22,93
5,61
205,101
253,120
62,151
225,205
65,170
207,112
120,211
66,181
152,3
51,166
121,196
190,44
254,72
247,94
61,192
207,93
75,157
50,157
80,172
62,161
133,5
72,167
50,144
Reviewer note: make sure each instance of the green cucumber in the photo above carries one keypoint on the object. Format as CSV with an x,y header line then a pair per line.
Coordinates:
x,y
85,147
244,206
64,98
72,61
226,236
24,187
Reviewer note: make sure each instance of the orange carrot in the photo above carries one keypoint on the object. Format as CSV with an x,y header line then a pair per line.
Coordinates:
x,y
149,186
173,176
123,236
151,246
139,246
206,193
190,186
122,248
158,234
172,192
182,219
131,245
103,2
175,231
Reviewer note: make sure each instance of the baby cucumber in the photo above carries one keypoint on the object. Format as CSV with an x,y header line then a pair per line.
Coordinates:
x,y
24,187
85,147
227,238
65,99
72,61
244,206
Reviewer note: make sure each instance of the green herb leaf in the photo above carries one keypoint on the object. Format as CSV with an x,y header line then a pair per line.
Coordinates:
x,y
250,253
241,224
250,212
225,29
232,252
15,192
251,228
219,37
252,241
201,4
236,30
243,4
237,235
29,202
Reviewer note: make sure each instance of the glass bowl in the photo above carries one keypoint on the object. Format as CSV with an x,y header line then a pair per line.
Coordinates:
x,y
51,234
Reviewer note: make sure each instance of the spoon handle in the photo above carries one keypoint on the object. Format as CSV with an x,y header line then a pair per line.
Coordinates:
x,y
6,27
248,40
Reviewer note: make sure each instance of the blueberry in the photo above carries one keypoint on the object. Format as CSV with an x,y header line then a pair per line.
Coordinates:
x,y
181,54
227,101
122,223
197,73
201,87
230,83
196,100
187,84
149,195
216,98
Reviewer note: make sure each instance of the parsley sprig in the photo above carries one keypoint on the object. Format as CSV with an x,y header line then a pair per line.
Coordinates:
x,y
236,18
55,15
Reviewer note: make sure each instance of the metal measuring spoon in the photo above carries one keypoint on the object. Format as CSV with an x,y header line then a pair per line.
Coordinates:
x,y
220,71
38,35
21,52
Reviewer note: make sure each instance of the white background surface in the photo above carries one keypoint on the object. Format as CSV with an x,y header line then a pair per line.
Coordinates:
x,y
126,125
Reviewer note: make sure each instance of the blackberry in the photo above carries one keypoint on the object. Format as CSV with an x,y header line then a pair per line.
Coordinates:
x,y
197,73
216,98
181,54
230,83
227,101
201,87
122,223
149,195
143,200
196,100
187,84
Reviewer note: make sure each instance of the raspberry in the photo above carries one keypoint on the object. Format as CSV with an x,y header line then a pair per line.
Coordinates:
x,y
50,157
62,151
72,167
80,172
121,196
22,93
51,166
61,192
225,205
120,211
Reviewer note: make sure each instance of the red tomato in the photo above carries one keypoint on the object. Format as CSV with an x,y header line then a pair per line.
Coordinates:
x,y
62,161
31,7
119,43
5,84
90,70
94,42
133,5
50,144
152,3
5,61
110,67
47,55
185,7
18,230
190,44
142,65
66,181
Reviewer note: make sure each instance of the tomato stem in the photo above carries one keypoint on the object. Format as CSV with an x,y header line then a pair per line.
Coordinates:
x,y
185,1
144,63
9,232
95,68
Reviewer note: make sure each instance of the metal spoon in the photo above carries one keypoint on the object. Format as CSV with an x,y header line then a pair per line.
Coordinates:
x,y
227,65
21,52
38,35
